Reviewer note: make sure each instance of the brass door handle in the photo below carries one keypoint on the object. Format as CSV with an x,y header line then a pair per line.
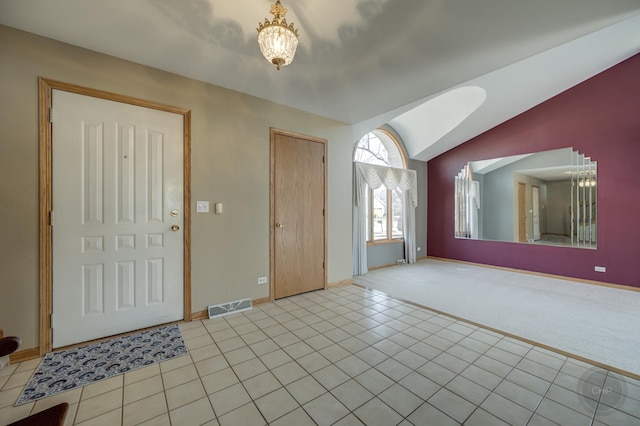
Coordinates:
x,y
175,228
279,225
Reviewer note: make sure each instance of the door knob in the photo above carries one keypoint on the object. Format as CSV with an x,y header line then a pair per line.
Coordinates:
x,y
175,228
279,225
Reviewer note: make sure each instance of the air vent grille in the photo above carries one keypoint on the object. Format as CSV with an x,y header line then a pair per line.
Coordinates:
x,y
229,308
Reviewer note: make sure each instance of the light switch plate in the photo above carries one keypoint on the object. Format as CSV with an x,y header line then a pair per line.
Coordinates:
x,y
202,206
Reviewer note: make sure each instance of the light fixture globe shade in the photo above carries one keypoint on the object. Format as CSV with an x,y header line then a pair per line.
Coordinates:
x,y
278,44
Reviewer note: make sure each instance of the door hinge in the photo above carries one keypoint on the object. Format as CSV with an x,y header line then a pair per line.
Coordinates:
x,y
50,114
323,158
51,218
51,320
322,212
322,265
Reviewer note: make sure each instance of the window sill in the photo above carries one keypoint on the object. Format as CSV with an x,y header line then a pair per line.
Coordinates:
x,y
383,242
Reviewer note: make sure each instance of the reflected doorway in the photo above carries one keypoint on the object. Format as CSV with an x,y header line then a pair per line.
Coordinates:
x,y
522,212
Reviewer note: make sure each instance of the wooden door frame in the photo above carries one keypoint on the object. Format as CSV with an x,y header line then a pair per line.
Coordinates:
x,y
272,238
45,90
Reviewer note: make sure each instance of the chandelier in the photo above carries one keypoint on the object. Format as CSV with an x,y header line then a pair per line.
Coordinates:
x,y
277,39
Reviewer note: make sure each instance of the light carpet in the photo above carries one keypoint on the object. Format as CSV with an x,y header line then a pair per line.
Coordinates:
x,y
65,370
593,322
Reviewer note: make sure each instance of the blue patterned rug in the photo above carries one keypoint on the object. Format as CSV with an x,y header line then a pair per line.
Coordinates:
x,y
72,368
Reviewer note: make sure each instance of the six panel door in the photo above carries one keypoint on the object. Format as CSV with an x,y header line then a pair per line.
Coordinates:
x,y
117,223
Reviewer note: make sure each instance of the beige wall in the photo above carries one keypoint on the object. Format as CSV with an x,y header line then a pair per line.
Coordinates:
x,y
230,164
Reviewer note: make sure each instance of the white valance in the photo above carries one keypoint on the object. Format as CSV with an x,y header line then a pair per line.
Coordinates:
x,y
374,177
391,177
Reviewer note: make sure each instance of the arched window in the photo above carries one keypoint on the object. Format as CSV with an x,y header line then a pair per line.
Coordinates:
x,y
384,215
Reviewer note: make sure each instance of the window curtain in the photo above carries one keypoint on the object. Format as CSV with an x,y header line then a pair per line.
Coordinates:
x,y
373,176
467,204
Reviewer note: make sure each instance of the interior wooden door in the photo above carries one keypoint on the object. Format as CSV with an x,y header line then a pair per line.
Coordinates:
x,y
522,212
298,229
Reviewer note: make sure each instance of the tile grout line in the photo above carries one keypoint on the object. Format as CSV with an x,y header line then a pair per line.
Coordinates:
x,y
535,411
595,411
311,374
497,385
217,417
484,353
330,363
345,304
407,348
432,360
388,357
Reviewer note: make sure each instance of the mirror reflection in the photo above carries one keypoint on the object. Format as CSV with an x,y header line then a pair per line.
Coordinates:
x,y
547,197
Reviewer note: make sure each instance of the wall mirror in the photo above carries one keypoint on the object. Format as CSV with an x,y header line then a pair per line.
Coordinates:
x,y
547,197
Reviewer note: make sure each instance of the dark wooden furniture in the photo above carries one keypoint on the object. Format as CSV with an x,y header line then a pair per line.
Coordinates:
x,y
8,345
53,416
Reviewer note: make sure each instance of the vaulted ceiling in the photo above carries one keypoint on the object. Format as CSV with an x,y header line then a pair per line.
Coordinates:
x,y
438,71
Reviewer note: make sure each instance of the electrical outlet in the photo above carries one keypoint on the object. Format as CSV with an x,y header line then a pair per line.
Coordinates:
x,y
401,261
600,269
262,280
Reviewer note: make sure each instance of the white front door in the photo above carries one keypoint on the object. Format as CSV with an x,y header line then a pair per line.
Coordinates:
x,y
117,228
536,212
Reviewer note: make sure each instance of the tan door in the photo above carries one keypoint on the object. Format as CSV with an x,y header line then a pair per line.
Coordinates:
x,y
298,213
522,212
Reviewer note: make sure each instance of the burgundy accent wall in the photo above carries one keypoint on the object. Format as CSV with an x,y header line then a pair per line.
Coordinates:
x,y
599,117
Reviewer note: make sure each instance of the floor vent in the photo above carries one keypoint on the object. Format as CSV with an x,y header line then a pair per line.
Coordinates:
x,y
229,308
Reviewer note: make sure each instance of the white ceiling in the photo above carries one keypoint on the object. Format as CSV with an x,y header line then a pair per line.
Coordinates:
x,y
364,62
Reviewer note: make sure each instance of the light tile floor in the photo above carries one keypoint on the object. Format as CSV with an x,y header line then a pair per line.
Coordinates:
x,y
345,356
